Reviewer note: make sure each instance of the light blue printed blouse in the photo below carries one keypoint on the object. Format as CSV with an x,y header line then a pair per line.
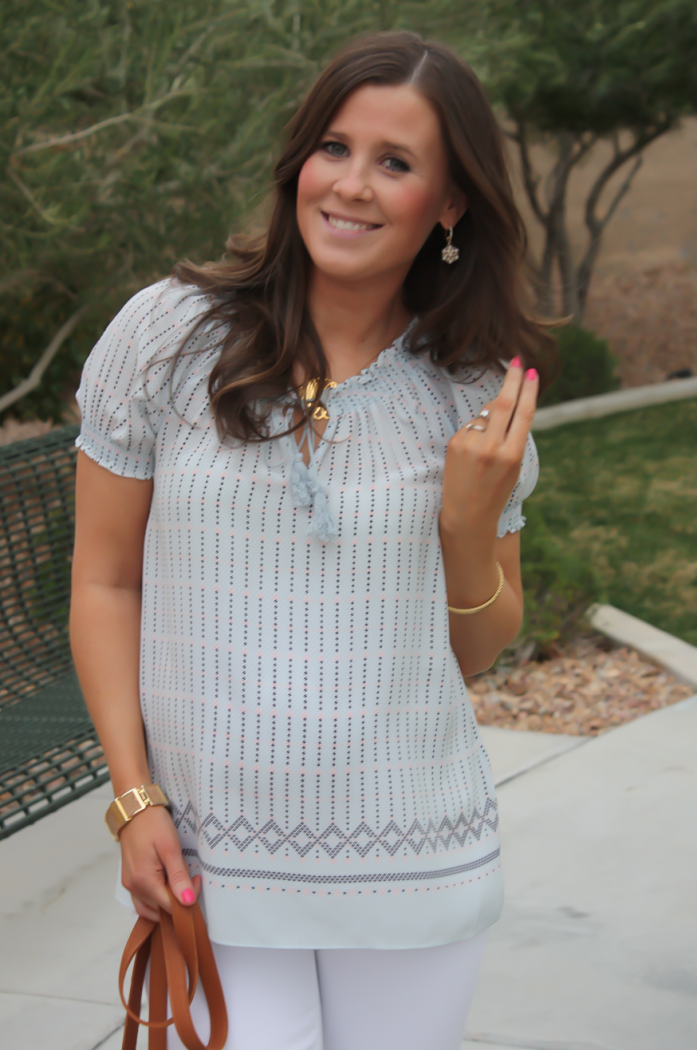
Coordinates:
x,y
304,710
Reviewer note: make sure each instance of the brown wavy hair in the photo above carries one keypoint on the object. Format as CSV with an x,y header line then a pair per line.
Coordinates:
x,y
474,312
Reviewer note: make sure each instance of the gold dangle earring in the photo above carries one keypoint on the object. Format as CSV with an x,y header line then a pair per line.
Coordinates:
x,y
450,253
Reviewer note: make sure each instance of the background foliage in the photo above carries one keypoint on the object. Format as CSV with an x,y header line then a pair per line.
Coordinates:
x,y
133,133
613,520
571,73
587,367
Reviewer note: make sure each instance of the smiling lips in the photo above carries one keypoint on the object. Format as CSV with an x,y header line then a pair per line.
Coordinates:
x,y
348,225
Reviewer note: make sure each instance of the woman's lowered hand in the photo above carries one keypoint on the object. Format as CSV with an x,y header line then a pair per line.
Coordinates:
x,y
152,858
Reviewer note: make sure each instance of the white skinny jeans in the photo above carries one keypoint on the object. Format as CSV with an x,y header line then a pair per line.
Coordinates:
x,y
343,998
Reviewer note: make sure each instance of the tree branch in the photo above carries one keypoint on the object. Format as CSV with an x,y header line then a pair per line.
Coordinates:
x,y
26,192
583,146
620,157
572,149
531,179
35,376
64,140
602,223
76,136
595,224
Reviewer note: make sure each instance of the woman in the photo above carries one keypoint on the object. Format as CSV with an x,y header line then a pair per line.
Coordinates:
x,y
301,471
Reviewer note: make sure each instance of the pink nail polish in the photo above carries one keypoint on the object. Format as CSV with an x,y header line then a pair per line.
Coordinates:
x,y
531,373
515,363
188,896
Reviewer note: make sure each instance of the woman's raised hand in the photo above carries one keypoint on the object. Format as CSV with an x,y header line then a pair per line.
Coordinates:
x,y
152,858
482,467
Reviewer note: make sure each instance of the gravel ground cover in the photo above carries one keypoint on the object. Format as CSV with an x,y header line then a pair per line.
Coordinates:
x,y
589,687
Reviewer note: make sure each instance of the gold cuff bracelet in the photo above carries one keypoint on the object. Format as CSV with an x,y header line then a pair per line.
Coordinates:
x,y
127,806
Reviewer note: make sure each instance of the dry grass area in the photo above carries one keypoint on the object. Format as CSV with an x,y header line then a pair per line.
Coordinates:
x,y
649,317
589,687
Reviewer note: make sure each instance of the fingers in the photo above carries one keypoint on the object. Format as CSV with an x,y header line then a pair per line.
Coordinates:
x,y
178,877
481,467
512,411
505,402
152,860
524,413
145,910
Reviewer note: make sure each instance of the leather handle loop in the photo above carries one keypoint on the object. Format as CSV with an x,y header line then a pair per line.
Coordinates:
x,y
210,982
177,946
179,930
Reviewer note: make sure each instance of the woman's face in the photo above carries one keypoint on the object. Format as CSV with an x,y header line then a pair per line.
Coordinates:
x,y
378,183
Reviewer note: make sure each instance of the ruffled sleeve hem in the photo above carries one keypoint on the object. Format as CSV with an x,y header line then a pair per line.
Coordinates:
x,y
127,463
514,524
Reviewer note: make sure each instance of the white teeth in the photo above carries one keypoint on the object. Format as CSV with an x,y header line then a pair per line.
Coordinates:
x,y
343,224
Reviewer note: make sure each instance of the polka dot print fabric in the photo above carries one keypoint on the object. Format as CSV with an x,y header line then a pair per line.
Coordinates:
x,y
304,711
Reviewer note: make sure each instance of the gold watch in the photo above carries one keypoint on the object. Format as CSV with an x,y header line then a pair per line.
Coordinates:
x,y
130,804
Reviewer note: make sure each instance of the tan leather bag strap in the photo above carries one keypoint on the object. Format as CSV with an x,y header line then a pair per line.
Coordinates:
x,y
176,945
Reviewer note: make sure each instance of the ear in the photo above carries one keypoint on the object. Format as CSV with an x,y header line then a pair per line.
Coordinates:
x,y
455,208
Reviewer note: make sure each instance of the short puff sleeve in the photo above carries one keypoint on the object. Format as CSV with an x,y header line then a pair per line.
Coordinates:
x,y
470,395
120,393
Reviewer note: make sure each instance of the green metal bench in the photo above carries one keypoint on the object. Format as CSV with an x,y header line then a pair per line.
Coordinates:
x,y
49,751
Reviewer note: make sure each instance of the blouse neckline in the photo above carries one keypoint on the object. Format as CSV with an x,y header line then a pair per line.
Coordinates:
x,y
365,374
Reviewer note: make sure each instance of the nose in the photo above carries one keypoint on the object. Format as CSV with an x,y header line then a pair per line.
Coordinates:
x,y
353,184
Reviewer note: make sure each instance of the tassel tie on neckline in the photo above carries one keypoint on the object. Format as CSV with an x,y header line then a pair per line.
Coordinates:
x,y
303,484
307,492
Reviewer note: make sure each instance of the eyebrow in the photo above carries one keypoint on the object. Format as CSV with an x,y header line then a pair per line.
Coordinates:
x,y
384,145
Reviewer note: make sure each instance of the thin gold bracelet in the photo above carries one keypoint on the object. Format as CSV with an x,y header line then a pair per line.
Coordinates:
x,y
466,612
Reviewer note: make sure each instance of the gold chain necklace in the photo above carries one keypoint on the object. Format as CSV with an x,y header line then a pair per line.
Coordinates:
x,y
308,393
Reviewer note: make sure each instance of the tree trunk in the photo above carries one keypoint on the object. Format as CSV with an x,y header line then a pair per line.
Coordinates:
x,y
557,247
545,274
574,279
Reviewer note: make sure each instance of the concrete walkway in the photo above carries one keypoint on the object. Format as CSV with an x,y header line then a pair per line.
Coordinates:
x,y
597,949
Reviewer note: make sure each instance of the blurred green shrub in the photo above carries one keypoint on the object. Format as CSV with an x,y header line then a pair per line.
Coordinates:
x,y
587,367
559,585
